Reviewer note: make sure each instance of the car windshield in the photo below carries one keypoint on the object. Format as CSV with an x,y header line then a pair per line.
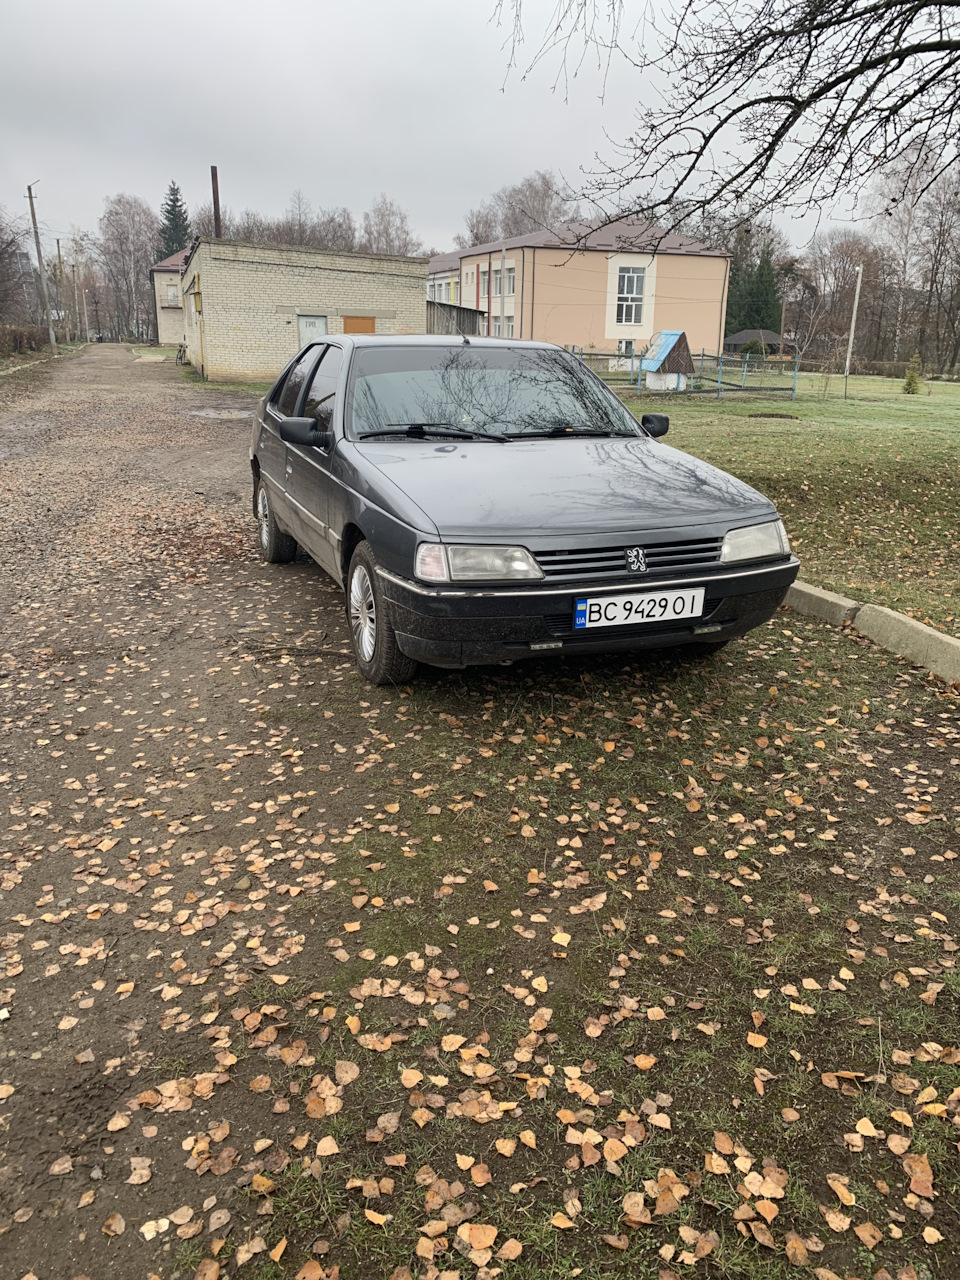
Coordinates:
x,y
507,391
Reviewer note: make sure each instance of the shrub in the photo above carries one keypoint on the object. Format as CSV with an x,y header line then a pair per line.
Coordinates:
x,y
19,339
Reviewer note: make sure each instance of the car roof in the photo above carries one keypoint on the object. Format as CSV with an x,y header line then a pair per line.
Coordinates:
x,y
432,340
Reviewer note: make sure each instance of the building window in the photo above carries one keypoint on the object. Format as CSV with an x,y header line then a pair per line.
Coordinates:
x,y
511,278
509,323
484,278
496,282
430,289
625,347
630,295
173,296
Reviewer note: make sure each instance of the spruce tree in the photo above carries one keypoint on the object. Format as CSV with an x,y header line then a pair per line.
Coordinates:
x,y
911,383
174,223
763,304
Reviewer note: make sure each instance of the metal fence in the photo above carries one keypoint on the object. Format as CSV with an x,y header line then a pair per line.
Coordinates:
x,y
713,375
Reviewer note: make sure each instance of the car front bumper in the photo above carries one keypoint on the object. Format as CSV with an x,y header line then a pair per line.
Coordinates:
x,y
460,627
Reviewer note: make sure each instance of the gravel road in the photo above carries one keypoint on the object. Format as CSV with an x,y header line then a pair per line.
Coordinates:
x,y
133,611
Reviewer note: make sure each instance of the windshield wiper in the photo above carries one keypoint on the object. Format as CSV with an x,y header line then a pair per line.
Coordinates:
x,y
432,430
569,433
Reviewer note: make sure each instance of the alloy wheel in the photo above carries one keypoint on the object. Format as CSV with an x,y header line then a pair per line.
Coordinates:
x,y
363,613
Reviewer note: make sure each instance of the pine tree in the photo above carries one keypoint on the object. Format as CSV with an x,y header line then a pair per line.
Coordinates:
x,y
174,223
911,383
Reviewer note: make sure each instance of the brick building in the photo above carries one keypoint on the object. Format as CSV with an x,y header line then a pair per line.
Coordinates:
x,y
167,299
249,308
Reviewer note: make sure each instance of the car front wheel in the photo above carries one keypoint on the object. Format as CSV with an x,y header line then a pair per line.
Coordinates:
x,y
276,547
371,633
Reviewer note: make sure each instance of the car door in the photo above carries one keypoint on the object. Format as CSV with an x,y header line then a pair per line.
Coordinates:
x,y
271,450
309,466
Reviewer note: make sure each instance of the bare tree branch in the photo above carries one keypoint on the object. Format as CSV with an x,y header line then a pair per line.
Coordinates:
x,y
764,104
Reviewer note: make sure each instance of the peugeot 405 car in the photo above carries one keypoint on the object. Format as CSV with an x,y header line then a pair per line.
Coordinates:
x,y
481,501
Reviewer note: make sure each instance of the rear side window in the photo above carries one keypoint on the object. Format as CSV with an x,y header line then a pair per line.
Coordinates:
x,y
321,398
293,385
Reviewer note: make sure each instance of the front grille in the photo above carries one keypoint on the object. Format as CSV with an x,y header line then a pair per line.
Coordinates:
x,y
693,555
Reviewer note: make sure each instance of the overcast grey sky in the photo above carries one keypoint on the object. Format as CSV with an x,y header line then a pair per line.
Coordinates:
x,y
342,98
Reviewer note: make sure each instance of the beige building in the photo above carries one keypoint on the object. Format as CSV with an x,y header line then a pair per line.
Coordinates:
x,y
608,294
167,298
249,308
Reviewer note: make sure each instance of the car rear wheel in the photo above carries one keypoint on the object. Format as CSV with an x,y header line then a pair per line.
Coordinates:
x,y
276,547
371,633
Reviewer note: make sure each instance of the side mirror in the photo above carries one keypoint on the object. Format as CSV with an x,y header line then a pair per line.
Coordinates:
x,y
655,424
303,431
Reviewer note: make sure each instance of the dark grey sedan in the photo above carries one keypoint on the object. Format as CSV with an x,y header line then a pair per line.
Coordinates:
x,y
482,501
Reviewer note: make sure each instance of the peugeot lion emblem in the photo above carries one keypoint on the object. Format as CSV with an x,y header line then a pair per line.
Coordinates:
x,y
636,560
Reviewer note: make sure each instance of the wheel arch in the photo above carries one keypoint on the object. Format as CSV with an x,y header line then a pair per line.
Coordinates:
x,y
350,539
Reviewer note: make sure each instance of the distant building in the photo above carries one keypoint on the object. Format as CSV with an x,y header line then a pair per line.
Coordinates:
x,y
167,298
248,308
605,290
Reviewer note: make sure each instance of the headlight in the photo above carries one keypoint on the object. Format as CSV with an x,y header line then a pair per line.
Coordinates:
x,y
436,562
755,542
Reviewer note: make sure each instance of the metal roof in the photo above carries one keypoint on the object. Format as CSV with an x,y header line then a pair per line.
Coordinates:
x,y
659,349
625,235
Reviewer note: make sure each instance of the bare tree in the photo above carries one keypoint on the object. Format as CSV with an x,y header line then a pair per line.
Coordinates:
x,y
386,229
767,102
128,239
16,284
336,230
483,226
538,202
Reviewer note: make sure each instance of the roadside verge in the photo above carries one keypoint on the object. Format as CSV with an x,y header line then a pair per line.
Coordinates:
x,y
890,630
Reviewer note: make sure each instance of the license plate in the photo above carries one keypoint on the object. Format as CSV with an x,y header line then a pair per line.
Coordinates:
x,y
618,611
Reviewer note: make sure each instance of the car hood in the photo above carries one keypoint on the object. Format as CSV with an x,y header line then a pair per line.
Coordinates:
x,y
573,486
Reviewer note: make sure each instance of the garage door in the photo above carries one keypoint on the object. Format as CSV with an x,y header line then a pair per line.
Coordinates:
x,y
359,324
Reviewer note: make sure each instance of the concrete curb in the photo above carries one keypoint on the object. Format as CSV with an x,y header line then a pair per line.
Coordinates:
x,y
921,644
892,631
825,605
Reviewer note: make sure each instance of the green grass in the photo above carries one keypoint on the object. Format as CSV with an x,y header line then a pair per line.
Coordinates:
x,y
868,487
191,375
781,729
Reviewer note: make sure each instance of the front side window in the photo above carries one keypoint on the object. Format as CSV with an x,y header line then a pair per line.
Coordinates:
x,y
173,296
509,391
293,384
630,295
321,398
484,277
511,279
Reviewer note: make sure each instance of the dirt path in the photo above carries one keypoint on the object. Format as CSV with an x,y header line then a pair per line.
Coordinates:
x,y
600,968
131,607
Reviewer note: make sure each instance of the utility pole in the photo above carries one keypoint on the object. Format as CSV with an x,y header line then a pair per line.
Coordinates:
x,y
60,303
86,319
853,328
215,183
76,300
783,325
96,317
43,275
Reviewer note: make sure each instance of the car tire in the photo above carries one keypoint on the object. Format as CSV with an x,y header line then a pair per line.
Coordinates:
x,y
372,635
276,547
